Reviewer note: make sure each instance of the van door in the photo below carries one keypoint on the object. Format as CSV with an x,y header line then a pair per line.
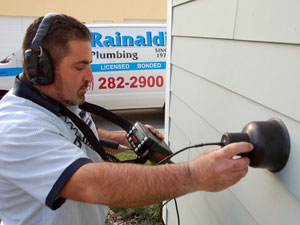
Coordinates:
x,y
129,66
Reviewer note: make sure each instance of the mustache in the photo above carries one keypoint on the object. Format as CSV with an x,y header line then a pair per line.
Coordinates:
x,y
85,85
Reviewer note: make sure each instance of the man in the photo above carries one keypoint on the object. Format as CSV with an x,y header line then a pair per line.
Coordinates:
x,y
46,177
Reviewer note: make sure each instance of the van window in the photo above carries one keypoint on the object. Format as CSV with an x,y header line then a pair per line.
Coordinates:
x,y
8,58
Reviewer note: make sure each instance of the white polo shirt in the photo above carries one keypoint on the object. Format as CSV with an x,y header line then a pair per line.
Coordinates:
x,y
39,153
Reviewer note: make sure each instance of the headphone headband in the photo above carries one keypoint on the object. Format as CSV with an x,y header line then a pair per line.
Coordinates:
x,y
42,30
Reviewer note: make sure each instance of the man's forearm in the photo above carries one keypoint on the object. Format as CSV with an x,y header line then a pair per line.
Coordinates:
x,y
129,185
114,136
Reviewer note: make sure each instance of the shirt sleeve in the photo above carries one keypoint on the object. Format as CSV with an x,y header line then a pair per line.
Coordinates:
x,y
54,202
40,158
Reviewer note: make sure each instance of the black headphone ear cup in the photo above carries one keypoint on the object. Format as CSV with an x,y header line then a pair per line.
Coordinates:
x,y
45,69
39,67
31,62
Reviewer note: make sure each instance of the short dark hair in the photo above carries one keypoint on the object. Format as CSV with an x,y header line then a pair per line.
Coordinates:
x,y
62,30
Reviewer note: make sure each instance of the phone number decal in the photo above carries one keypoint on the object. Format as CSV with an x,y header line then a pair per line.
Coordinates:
x,y
134,82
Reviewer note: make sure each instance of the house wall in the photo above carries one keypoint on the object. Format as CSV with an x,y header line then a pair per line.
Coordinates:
x,y
90,11
233,62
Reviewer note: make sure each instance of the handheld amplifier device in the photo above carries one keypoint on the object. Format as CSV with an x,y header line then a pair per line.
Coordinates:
x,y
143,142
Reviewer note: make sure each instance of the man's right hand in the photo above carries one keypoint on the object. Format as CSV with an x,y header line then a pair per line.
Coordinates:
x,y
216,169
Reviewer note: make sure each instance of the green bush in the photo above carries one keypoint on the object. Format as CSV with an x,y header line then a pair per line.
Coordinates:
x,y
147,215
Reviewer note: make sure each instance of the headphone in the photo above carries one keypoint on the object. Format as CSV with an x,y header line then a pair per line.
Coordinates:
x,y
37,63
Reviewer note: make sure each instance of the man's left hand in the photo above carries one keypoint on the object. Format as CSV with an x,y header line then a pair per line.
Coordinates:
x,y
155,132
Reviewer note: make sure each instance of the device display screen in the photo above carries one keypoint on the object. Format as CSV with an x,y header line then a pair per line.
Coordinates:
x,y
138,136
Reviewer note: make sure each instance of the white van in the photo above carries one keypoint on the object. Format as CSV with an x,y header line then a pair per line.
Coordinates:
x,y
129,66
9,68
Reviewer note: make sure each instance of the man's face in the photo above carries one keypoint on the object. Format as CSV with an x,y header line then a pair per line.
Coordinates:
x,y
73,74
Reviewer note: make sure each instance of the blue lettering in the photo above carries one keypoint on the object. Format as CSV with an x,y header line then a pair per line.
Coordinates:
x,y
109,41
118,40
126,39
159,39
140,41
149,38
96,39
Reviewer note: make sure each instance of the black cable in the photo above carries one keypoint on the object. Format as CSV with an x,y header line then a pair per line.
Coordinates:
x,y
165,160
183,149
176,207
166,203
177,211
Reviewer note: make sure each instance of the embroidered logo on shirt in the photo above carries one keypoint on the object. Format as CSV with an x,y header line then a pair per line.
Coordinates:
x,y
80,138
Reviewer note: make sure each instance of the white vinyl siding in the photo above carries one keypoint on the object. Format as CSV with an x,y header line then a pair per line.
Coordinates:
x,y
245,66
233,62
268,20
205,18
178,2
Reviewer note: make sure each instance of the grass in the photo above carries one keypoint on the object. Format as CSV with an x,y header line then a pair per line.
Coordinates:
x,y
147,215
